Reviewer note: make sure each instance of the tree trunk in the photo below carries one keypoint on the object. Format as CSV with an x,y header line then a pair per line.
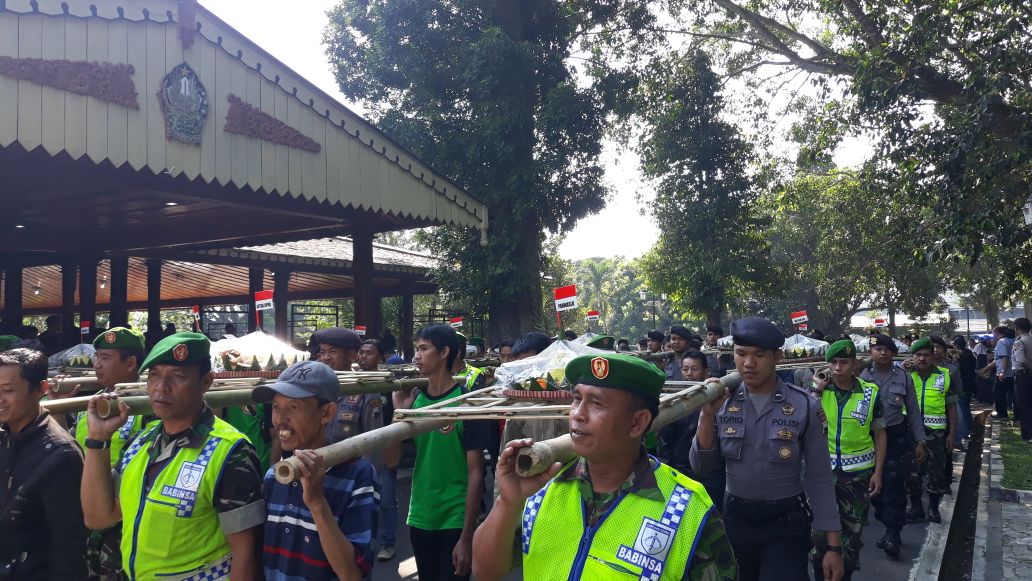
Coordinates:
x,y
992,313
714,315
515,313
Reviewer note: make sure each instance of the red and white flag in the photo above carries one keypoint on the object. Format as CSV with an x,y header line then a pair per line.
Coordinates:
x,y
565,298
799,317
455,322
263,300
592,315
360,330
84,328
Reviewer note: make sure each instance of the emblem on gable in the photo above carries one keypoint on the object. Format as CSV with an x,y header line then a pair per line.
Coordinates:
x,y
184,101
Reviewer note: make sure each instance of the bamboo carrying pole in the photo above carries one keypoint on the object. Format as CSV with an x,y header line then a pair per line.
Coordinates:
x,y
288,470
541,456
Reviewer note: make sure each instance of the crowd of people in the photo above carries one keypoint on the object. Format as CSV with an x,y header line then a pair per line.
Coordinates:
x,y
187,492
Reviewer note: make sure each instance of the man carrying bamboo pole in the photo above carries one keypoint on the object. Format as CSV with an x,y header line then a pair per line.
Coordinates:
x,y
616,509
356,414
188,488
448,477
324,530
764,429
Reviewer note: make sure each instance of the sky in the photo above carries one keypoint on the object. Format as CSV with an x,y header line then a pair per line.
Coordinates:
x,y
294,36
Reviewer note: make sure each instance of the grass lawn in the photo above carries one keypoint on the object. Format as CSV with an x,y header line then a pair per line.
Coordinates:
x,y
1017,459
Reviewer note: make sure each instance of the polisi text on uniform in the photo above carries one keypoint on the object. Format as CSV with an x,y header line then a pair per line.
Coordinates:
x,y
786,422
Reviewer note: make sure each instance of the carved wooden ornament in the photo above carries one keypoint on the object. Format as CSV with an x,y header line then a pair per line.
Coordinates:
x,y
105,81
244,119
184,101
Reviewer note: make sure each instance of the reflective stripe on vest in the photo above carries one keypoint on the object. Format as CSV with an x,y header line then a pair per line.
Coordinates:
x,y
932,398
172,529
132,426
637,537
850,443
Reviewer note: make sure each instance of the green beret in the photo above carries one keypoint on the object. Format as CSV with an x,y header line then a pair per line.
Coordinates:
x,y
8,340
119,338
179,349
602,342
844,349
477,341
923,343
624,372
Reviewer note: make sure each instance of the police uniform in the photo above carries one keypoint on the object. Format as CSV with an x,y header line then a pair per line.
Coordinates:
x,y
659,525
181,495
935,394
853,417
904,429
103,554
356,414
673,367
767,506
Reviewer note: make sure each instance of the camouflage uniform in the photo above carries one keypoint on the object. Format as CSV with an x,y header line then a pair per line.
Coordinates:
x,y
714,560
935,466
853,504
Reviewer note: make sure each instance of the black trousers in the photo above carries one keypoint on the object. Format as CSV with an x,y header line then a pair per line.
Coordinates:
x,y
1003,396
771,539
1023,402
891,505
433,553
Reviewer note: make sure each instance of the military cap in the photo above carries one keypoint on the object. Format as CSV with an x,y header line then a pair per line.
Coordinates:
x,y
8,340
656,336
923,343
937,340
339,337
624,372
715,329
756,332
119,338
681,332
879,340
602,342
843,348
179,349
477,341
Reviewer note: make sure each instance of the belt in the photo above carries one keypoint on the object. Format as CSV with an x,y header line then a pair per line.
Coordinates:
x,y
783,510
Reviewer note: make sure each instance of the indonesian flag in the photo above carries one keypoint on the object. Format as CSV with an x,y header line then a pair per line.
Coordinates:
x,y
360,330
263,300
592,315
799,317
455,322
565,298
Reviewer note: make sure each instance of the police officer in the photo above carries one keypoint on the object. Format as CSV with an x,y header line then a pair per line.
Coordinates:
x,y
615,512
937,397
679,341
338,348
904,439
713,334
119,353
188,488
475,376
764,429
856,444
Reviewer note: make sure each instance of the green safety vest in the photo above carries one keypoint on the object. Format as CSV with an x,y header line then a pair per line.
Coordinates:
x,y
637,537
132,426
172,530
249,419
471,374
933,397
850,444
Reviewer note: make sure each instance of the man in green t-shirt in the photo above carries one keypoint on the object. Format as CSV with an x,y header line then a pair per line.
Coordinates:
x,y
448,477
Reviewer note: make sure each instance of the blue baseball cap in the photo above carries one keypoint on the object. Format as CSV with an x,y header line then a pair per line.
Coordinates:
x,y
301,380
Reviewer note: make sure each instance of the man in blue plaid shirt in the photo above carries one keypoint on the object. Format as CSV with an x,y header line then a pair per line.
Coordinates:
x,y
323,526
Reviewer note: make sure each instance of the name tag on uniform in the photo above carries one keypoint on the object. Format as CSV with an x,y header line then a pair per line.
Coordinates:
x,y
187,481
650,547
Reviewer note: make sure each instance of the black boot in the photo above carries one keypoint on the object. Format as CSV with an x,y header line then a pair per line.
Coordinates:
x,y
916,512
933,508
883,540
892,544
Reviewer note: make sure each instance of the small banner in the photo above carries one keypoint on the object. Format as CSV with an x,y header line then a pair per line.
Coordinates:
x,y
565,298
799,317
84,328
803,326
263,300
455,322
592,315
196,313
881,323
360,330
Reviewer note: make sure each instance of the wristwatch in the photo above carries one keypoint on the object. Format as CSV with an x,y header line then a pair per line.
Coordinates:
x,y
97,444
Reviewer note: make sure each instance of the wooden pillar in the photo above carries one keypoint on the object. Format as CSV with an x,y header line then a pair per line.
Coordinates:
x,y
88,293
69,279
119,291
280,299
365,301
255,280
154,297
12,316
407,321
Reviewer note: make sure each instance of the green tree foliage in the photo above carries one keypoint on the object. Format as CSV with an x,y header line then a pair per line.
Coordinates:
x,y
943,86
483,92
709,250
841,248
